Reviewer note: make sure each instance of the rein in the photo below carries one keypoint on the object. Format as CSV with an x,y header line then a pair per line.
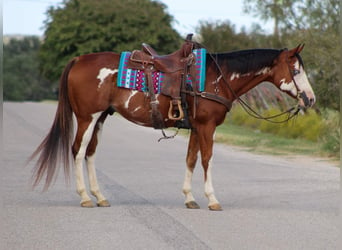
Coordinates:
x,y
292,112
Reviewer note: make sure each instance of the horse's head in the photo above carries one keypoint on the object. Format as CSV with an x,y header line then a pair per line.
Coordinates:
x,y
289,76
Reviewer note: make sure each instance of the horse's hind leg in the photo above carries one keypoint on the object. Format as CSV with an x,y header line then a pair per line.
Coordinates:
x,y
90,160
191,160
84,134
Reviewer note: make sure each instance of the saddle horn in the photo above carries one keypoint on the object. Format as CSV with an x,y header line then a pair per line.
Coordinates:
x,y
189,37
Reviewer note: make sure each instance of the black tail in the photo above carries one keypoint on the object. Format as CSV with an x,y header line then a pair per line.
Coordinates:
x,y
56,145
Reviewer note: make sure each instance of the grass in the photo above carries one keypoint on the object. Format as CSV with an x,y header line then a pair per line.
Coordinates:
x,y
262,142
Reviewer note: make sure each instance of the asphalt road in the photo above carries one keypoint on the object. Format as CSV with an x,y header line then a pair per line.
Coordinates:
x,y
269,202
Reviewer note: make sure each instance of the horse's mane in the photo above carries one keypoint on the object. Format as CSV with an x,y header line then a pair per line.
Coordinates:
x,y
251,60
244,61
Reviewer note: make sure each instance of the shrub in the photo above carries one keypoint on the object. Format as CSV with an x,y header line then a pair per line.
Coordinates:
x,y
307,126
331,133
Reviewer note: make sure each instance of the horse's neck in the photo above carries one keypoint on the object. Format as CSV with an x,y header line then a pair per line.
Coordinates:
x,y
242,83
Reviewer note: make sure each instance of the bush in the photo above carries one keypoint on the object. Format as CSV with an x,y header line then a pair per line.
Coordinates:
x,y
307,126
331,133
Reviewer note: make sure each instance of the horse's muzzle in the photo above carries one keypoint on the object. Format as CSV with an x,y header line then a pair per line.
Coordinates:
x,y
305,100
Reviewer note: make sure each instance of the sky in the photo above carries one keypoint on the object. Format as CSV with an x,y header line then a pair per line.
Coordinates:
x,y
26,17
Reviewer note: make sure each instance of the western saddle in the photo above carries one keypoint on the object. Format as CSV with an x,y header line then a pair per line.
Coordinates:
x,y
175,67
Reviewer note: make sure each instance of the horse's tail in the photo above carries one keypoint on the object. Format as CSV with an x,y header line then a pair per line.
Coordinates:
x,y
56,145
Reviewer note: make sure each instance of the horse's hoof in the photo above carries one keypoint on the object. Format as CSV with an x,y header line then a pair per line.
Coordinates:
x,y
215,207
103,203
192,205
88,204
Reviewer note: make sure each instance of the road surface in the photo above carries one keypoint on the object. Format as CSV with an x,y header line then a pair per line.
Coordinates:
x,y
269,202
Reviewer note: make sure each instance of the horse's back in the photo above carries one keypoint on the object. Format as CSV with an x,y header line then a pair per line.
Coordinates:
x,y
90,81
96,61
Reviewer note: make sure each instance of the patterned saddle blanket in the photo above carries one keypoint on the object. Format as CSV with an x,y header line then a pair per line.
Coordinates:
x,y
135,79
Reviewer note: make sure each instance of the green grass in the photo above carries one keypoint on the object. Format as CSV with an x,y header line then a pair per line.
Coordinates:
x,y
262,142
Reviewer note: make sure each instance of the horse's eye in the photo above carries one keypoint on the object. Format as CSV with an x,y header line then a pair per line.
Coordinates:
x,y
296,72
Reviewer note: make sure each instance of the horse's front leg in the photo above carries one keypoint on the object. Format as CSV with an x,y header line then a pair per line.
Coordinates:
x,y
191,160
206,142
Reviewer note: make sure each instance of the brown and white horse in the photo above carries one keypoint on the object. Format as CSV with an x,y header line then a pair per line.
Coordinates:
x,y
88,90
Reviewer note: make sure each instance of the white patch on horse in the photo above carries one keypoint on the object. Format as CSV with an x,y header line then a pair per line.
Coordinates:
x,y
208,186
234,75
94,187
104,73
217,80
136,109
133,93
303,83
288,86
263,71
187,186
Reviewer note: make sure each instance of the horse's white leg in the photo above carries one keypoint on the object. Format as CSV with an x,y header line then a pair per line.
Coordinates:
x,y
80,184
209,189
206,142
191,160
90,160
189,198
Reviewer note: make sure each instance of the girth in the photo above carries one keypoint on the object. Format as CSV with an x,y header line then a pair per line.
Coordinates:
x,y
210,96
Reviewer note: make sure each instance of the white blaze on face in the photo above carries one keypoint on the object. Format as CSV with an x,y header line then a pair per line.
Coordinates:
x,y
302,82
103,74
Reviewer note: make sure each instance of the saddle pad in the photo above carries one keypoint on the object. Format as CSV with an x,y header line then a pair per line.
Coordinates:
x,y
135,79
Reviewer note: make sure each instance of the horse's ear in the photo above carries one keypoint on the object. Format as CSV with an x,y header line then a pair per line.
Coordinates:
x,y
296,50
299,48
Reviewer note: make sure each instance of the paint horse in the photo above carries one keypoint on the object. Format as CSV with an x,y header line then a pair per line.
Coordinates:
x,y
88,89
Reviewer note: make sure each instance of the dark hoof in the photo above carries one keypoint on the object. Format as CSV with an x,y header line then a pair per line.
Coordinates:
x,y
192,205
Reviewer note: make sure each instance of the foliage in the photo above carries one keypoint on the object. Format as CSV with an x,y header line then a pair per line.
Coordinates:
x,y
298,127
289,15
261,142
87,26
323,129
331,132
21,76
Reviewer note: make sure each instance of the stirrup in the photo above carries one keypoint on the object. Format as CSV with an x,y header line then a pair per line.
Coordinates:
x,y
181,113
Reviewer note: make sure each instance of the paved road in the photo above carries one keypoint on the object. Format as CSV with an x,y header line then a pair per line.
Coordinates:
x,y
269,202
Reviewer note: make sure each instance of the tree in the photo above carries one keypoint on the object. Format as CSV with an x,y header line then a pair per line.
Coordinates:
x,y
222,36
271,9
87,26
21,76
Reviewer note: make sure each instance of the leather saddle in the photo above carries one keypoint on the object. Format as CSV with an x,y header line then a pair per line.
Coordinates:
x,y
175,67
